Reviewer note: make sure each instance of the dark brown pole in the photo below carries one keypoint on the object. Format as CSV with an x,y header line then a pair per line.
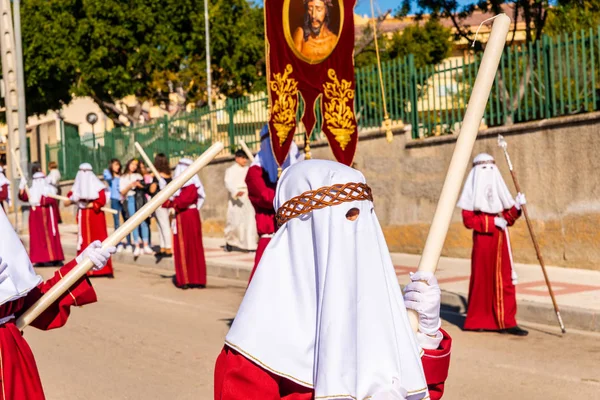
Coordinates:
x,y
502,143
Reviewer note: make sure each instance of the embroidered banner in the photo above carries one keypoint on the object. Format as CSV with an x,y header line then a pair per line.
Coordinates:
x,y
310,47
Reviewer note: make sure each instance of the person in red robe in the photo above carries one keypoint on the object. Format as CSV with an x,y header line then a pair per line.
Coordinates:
x,y
4,189
324,316
45,247
489,209
188,250
261,180
89,196
20,288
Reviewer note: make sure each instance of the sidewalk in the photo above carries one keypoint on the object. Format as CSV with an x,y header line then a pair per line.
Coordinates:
x,y
577,291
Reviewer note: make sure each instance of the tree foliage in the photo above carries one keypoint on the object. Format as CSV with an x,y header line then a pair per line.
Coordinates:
x,y
430,43
110,49
572,16
533,12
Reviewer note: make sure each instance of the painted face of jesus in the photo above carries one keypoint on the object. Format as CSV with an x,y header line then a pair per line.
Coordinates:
x,y
317,10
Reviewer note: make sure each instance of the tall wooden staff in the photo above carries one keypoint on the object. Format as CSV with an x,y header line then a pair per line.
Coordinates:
x,y
64,198
20,171
150,164
247,150
502,143
462,150
82,268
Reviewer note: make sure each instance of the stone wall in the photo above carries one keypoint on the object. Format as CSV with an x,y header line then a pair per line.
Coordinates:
x,y
555,160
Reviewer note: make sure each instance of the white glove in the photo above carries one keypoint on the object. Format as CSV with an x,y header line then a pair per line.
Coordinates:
x,y
425,299
520,200
514,277
96,254
500,223
396,392
162,183
22,184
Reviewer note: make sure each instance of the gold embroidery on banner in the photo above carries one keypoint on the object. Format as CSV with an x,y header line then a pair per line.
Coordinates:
x,y
339,117
284,108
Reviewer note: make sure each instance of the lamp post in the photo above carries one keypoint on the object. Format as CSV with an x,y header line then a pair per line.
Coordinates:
x,y
208,74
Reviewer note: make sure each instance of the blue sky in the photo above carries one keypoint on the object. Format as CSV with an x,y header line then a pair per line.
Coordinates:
x,y
364,6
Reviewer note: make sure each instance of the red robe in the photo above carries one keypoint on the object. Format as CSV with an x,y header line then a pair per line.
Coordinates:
x,y
492,297
19,376
44,238
92,226
3,195
261,193
188,250
237,378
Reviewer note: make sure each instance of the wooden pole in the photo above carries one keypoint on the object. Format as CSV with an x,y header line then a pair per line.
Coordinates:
x,y
247,151
150,164
82,268
20,170
64,198
462,150
502,143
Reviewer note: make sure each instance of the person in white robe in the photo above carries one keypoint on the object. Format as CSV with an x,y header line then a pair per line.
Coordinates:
x,y
240,230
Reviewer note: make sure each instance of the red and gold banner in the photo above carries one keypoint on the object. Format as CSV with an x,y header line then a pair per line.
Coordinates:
x,y
310,47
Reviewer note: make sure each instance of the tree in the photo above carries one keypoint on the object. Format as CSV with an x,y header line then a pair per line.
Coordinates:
x,y
430,44
533,12
110,49
572,16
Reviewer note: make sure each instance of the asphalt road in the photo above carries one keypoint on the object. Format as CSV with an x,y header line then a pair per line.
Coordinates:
x,y
145,339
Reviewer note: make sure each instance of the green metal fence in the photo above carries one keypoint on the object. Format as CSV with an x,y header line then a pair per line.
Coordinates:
x,y
549,78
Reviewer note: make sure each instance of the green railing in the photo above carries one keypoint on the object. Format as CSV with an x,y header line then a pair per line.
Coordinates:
x,y
549,78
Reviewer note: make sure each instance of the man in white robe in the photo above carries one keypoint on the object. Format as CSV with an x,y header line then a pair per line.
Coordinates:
x,y
240,230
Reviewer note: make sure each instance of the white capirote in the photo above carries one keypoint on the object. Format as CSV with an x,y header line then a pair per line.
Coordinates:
x,y
324,308
86,185
18,277
183,164
484,189
39,187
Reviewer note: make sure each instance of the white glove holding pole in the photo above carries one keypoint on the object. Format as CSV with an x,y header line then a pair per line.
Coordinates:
x,y
424,296
500,223
98,256
520,200
22,184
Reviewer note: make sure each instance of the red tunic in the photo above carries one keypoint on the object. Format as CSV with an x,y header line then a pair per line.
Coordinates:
x,y
44,238
3,195
237,378
188,250
261,193
92,226
20,379
492,297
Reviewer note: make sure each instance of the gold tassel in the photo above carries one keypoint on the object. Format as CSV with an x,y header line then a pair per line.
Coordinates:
x,y
307,153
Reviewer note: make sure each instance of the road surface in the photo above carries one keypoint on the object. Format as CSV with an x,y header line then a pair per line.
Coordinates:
x,y
145,339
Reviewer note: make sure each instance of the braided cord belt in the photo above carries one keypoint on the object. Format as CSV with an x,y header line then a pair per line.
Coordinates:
x,y
323,197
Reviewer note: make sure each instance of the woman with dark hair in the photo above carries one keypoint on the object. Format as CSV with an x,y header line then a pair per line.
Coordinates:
x,y
131,180
112,176
161,162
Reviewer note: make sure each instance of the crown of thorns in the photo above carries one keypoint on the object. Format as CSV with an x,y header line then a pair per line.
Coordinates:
x,y
328,3
323,197
484,162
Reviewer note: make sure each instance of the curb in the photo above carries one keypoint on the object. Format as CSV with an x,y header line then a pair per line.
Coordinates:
x,y
527,311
